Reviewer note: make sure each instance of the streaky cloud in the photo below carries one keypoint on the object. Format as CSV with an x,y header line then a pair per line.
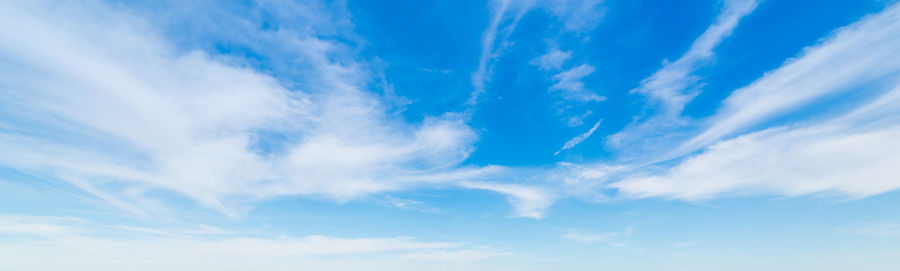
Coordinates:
x,y
529,201
671,85
491,46
578,139
861,53
570,84
674,85
851,155
120,113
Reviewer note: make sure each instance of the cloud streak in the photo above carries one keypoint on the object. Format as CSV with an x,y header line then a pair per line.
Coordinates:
x,y
851,155
491,46
862,53
120,113
569,83
671,86
57,243
578,139
529,201
591,237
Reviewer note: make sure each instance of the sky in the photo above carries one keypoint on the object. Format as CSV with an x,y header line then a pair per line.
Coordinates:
x,y
450,135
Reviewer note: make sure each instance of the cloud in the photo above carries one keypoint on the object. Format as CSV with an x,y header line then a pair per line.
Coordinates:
x,y
528,201
67,227
852,155
572,88
577,120
305,246
222,254
455,255
505,15
578,139
121,112
310,245
877,230
581,236
855,56
683,244
25,225
552,60
671,85
848,156
577,15
491,46
183,233
86,245
408,204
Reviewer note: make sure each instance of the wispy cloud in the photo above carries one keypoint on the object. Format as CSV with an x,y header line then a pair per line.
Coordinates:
x,y
861,53
570,84
592,237
67,227
578,139
848,155
27,225
120,113
491,46
528,201
456,255
683,244
552,60
577,120
181,254
576,15
877,230
90,245
852,155
409,204
505,15
672,85
577,18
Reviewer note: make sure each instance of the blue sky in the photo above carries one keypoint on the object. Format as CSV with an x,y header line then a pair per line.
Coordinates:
x,y
450,135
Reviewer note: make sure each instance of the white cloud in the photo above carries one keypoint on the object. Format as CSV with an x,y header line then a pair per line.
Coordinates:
x,y
583,237
85,245
877,230
671,85
25,225
577,120
552,60
456,255
505,15
491,46
572,88
591,237
528,201
86,253
782,161
310,245
853,155
118,112
409,204
683,244
863,53
577,15
578,139
850,156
